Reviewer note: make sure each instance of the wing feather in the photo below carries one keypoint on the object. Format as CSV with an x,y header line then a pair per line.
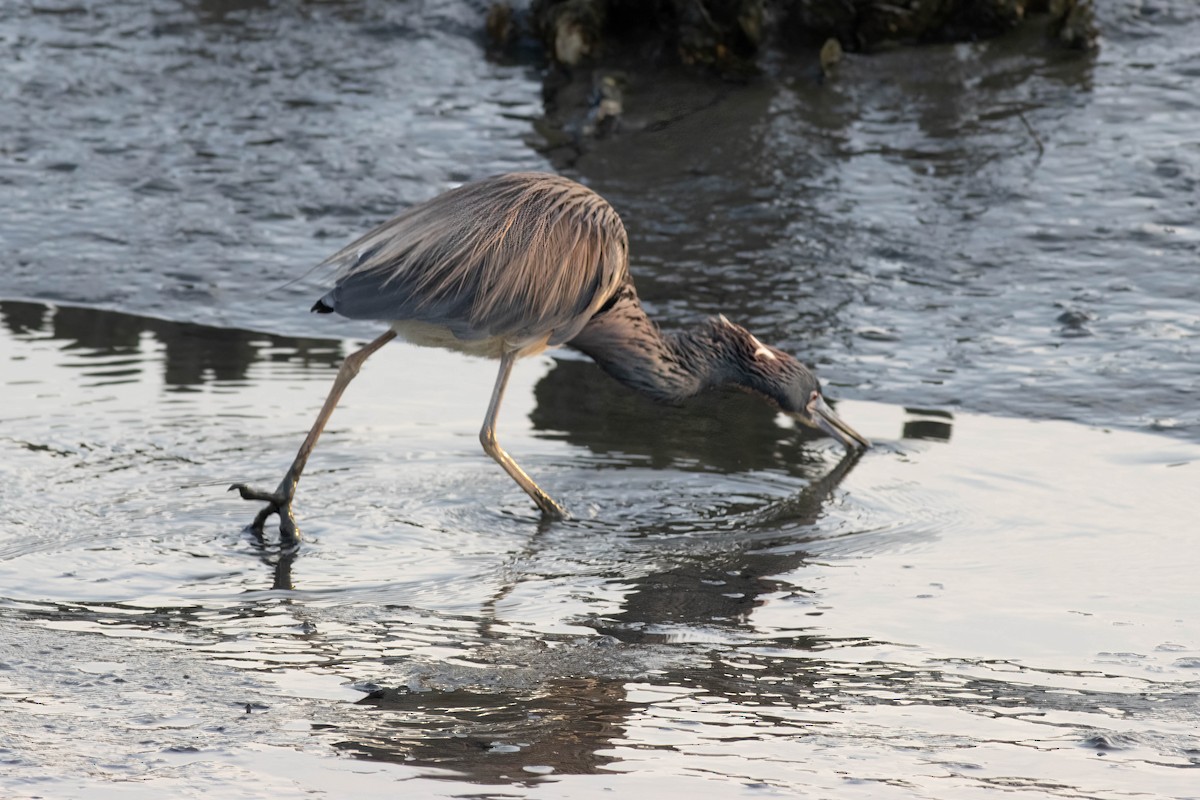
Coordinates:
x,y
525,256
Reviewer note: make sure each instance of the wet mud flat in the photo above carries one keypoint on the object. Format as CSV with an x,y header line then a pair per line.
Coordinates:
x,y
976,604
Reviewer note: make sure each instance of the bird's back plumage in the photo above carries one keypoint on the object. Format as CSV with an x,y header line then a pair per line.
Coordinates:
x,y
523,260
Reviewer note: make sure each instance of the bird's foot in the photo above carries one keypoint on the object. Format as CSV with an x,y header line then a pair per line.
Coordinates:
x,y
551,511
277,502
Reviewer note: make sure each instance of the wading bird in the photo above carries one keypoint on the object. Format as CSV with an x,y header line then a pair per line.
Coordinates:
x,y
514,264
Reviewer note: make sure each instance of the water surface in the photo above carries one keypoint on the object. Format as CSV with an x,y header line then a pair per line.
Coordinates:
x,y
976,602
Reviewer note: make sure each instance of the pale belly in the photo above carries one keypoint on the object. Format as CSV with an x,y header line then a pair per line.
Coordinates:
x,y
427,334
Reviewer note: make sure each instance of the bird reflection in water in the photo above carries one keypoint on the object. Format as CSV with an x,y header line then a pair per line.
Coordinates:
x,y
557,705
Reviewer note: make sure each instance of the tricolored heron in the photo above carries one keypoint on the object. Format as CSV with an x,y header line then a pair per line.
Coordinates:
x,y
511,265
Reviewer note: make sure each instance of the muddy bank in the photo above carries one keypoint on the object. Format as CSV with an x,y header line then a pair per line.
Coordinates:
x,y
730,36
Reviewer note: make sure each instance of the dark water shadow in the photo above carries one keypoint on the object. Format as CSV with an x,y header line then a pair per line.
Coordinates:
x,y
191,354
560,727
724,431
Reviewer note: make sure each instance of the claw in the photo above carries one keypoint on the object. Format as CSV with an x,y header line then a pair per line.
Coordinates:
x,y
276,503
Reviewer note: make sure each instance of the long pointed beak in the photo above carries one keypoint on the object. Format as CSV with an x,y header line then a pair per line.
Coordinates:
x,y
822,417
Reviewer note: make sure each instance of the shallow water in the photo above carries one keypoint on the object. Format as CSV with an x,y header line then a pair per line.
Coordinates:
x,y
990,255
976,603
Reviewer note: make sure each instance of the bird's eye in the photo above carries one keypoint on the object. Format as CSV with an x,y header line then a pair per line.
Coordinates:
x,y
814,396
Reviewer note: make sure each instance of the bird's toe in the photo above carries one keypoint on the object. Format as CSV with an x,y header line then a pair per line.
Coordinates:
x,y
248,492
277,502
289,534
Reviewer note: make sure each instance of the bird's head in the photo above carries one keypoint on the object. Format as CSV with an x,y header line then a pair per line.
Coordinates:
x,y
807,405
786,382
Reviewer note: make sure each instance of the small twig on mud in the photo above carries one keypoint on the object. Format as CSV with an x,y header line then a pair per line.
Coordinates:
x,y
1041,148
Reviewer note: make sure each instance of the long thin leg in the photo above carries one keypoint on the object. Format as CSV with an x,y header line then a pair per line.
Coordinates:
x,y
487,437
280,500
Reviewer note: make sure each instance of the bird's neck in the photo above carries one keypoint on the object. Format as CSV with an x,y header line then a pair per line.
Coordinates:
x,y
671,367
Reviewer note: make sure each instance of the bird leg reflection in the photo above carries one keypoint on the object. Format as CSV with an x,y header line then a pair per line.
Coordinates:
x,y
487,437
806,507
280,501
